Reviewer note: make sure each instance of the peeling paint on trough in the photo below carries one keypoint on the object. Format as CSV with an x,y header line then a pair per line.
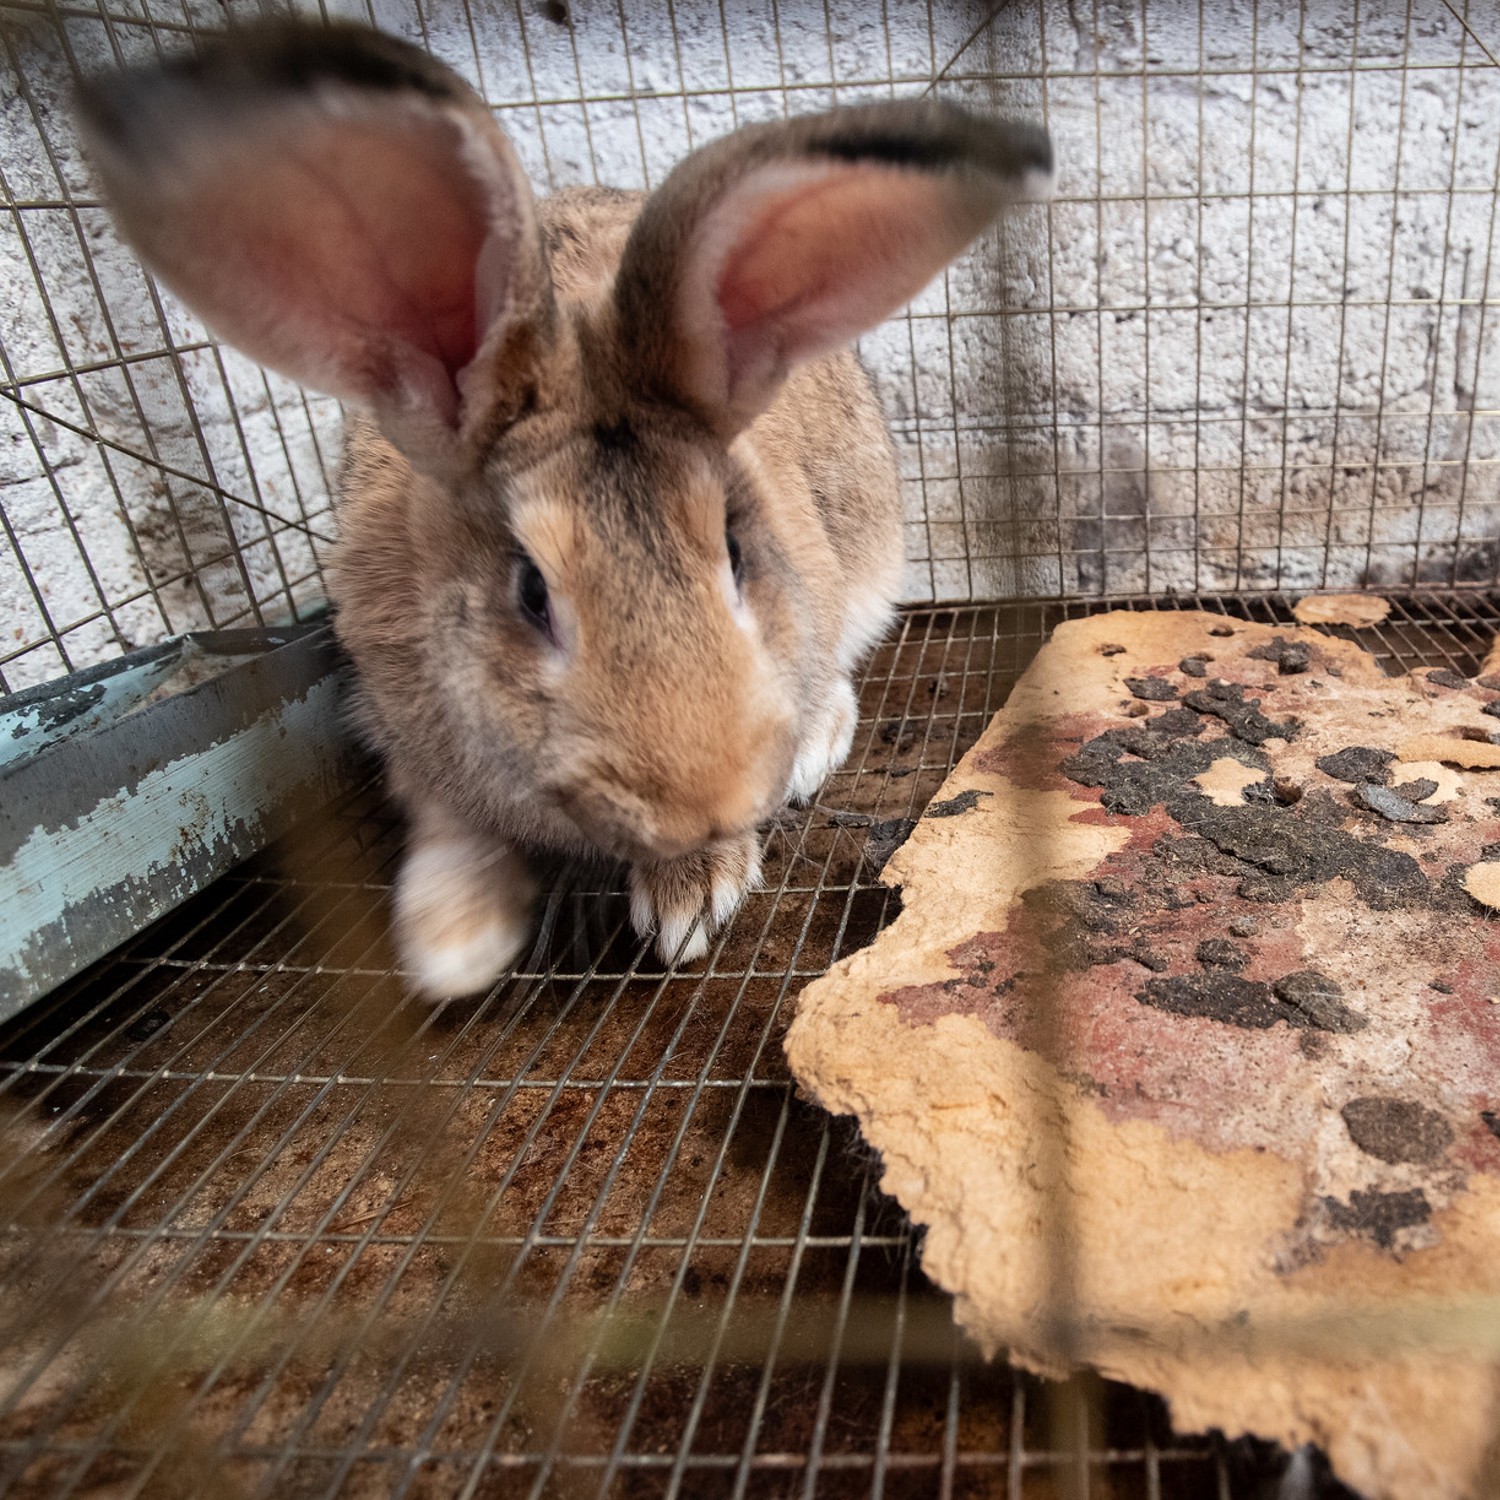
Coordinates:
x,y
121,796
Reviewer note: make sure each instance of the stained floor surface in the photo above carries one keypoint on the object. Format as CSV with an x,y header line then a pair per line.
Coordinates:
x,y
270,1228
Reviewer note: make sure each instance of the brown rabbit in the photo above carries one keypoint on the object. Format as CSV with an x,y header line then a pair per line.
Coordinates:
x,y
622,525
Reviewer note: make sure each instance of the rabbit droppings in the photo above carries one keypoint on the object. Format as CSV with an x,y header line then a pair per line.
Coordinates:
x,y
618,522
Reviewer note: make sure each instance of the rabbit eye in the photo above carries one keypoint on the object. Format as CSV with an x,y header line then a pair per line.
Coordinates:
x,y
736,557
532,592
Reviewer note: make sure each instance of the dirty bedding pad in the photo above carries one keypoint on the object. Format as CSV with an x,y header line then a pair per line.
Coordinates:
x,y
1189,1030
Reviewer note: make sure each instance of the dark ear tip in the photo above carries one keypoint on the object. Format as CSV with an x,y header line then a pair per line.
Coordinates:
x,y
1030,145
936,136
279,57
294,56
114,109
96,102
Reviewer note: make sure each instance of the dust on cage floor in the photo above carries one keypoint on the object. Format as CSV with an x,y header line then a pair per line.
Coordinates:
x,y
269,1229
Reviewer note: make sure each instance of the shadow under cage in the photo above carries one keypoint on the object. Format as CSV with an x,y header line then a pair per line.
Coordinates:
x,y
272,1228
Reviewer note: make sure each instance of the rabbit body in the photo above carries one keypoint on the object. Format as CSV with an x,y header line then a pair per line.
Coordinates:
x,y
474,754
621,520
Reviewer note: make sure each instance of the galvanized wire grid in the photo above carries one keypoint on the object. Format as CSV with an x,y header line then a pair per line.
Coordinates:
x,y
1247,346
273,1230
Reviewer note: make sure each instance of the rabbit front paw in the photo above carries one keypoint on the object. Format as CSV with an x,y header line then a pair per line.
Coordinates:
x,y
462,912
682,901
827,747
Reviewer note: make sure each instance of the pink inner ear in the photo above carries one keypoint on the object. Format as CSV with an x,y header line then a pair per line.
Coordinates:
x,y
346,258
819,261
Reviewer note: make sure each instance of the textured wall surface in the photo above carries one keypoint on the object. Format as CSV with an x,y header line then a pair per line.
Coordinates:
x,y
1245,346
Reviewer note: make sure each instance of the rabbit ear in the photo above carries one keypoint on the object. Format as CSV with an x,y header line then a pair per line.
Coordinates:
x,y
343,209
783,241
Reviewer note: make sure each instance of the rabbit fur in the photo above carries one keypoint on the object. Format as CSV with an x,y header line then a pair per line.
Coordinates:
x,y
618,515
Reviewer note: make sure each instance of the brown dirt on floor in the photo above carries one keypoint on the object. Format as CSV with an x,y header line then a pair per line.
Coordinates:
x,y
246,1116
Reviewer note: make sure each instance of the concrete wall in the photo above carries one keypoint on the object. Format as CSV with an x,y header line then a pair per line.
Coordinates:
x,y
1246,346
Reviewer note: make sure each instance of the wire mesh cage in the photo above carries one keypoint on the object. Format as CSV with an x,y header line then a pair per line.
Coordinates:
x,y
269,1228
1244,347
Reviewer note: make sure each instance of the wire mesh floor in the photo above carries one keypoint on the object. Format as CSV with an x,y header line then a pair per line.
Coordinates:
x,y
271,1229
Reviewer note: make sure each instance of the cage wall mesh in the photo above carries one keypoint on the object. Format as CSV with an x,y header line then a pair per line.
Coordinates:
x,y
1245,346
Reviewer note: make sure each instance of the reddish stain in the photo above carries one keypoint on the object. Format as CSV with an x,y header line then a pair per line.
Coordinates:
x,y
1027,757
1478,1149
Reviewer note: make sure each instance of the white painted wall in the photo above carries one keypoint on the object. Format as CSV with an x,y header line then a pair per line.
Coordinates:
x,y
1251,343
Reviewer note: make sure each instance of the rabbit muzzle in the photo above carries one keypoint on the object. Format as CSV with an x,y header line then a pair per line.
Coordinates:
x,y
662,803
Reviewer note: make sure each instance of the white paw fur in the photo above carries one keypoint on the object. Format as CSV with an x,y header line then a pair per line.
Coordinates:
x,y
682,902
462,914
827,746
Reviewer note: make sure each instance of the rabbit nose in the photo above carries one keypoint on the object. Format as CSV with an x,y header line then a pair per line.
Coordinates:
x,y
628,825
666,826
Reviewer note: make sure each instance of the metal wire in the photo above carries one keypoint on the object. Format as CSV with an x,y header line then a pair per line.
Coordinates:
x,y
1302,452
238,1113
268,1229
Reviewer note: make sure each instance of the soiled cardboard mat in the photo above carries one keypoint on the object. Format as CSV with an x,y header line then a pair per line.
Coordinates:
x,y
1176,1009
